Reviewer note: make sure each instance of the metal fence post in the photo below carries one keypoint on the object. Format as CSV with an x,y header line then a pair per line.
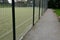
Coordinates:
x,y
33,11
13,20
39,9
42,7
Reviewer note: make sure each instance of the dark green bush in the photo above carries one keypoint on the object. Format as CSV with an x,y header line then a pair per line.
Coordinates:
x,y
54,4
5,5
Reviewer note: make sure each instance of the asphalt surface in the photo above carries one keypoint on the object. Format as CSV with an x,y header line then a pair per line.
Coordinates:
x,y
48,28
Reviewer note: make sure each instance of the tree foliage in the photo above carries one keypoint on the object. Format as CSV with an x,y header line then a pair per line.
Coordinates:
x,y
54,4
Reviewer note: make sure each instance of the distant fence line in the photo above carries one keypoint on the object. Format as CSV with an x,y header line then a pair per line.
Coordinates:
x,y
18,4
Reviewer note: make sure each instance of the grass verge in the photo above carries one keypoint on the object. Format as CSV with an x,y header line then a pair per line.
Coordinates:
x,y
57,11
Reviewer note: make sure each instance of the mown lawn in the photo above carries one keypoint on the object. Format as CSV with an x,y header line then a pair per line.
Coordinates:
x,y
57,12
23,17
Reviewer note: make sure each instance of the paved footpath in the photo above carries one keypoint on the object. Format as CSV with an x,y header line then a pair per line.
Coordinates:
x,y
48,28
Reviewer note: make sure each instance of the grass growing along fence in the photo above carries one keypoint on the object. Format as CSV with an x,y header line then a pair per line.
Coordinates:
x,y
57,11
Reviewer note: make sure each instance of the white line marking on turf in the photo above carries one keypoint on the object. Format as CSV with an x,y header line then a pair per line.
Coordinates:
x,y
16,27
25,31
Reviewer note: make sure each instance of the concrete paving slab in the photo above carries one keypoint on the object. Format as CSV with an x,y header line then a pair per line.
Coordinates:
x,y
48,28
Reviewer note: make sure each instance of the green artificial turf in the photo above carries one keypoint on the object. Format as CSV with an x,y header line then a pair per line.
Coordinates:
x,y
57,12
23,17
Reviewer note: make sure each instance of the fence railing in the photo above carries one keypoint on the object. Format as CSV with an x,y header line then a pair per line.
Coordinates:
x,y
16,18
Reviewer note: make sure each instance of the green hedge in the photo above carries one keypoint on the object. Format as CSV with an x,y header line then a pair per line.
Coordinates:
x,y
5,5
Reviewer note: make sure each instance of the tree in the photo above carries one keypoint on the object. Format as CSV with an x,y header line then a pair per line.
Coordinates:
x,y
54,4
